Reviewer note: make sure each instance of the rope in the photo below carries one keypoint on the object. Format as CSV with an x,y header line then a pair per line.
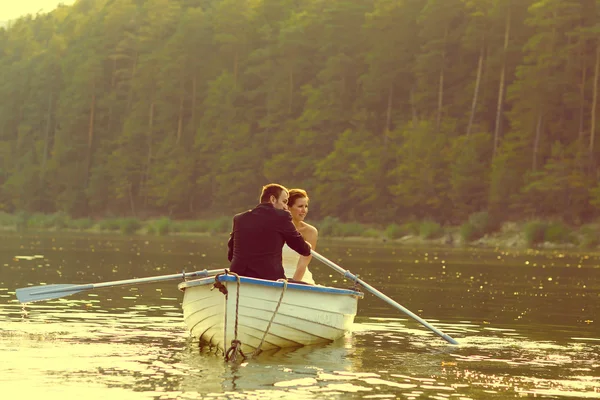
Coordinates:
x,y
234,350
356,286
258,350
223,290
236,345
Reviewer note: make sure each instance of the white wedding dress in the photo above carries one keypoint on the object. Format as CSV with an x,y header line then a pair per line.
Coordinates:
x,y
289,259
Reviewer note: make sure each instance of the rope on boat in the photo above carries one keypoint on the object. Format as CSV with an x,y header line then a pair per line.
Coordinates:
x,y
236,345
356,286
258,350
222,288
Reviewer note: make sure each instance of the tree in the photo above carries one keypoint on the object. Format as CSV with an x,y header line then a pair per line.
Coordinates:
x,y
421,177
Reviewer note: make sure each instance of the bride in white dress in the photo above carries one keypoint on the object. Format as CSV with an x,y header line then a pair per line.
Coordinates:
x,y
295,265
290,260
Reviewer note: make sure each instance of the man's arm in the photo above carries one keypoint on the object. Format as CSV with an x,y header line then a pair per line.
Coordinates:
x,y
292,237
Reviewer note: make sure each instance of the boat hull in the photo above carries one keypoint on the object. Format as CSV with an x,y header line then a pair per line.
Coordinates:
x,y
304,315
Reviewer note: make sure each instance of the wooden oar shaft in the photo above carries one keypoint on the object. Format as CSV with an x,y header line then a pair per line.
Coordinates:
x,y
47,292
347,274
186,275
49,289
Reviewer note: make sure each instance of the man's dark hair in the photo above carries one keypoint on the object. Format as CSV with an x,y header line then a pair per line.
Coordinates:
x,y
272,189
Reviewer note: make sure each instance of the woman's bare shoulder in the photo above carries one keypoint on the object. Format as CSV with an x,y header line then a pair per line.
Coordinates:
x,y
309,229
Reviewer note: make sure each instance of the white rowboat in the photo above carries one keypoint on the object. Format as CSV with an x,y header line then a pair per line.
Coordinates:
x,y
270,314
310,314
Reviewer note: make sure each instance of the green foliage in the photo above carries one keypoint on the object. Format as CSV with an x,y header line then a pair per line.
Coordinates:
x,y
129,226
22,219
350,229
559,188
217,225
589,242
371,233
470,171
430,230
534,232
377,108
81,224
221,225
468,232
557,232
479,224
56,221
110,224
394,231
192,226
333,227
411,227
8,219
537,232
160,227
589,236
327,226
482,221
421,173
151,229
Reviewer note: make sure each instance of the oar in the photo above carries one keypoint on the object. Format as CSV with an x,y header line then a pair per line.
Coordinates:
x,y
349,275
48,292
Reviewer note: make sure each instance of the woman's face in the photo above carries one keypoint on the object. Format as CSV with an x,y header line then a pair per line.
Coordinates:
x,y
299,209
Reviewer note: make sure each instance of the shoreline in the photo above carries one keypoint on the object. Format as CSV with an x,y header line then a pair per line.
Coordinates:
x,y
510,238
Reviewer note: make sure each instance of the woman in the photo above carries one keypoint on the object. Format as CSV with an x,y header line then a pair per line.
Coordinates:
x,y
295,265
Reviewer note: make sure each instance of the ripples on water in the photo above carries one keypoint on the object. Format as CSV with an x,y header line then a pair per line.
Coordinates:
x,y
131,343
70,353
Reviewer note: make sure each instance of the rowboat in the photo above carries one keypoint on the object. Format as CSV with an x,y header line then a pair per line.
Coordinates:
x,y
261,315
258,316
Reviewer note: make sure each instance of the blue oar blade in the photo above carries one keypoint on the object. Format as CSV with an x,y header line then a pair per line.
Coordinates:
x,y
48,292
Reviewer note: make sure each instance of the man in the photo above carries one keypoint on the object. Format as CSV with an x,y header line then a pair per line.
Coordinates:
x,y
259,234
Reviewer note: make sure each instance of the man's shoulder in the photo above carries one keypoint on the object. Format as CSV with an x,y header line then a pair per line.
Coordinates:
x,y
282,213
273,212
241,214
279,216
265,211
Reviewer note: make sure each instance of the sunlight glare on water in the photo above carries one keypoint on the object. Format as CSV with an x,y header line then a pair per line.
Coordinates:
x,y
518,337
71,353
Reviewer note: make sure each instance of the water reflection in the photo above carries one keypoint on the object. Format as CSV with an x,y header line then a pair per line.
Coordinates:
x,y
153,356
526,323
293,369
493,361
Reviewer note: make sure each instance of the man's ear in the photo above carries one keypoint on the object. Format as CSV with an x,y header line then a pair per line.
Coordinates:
x,y
272,199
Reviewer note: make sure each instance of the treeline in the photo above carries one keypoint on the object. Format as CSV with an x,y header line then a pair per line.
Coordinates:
x,y
384,110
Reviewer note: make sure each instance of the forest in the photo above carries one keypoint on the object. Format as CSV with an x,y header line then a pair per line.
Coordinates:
x,y
383,110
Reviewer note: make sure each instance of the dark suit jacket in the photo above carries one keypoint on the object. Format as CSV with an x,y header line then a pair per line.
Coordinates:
x,y
256,241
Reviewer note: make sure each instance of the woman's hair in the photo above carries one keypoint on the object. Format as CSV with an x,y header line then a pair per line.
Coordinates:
x,y
272,189
296,194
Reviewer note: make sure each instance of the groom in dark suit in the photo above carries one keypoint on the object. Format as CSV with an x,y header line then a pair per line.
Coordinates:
x,y
259,234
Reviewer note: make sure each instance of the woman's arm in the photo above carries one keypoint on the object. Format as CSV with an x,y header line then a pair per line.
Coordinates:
x,y
311,235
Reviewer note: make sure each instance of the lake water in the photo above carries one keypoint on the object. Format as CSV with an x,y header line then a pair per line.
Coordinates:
x,y
528,324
